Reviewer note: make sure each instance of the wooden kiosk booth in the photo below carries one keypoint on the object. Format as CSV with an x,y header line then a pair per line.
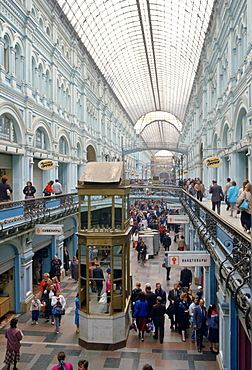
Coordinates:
x,y
103,254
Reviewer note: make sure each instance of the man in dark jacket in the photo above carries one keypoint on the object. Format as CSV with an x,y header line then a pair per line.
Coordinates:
x,y
98,278
199,323
157,315
166,242
134,294
217,195
150,298
160,293
186,277
172,311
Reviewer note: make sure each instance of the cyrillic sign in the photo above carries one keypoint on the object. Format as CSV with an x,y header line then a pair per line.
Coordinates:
x,y
48,229
47,164
178,219
191,259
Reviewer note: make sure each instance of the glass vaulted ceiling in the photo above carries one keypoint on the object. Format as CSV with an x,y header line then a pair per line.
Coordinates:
x,y
148,50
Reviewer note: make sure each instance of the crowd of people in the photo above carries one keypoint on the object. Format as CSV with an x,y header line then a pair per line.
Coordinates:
x,y
183,308
238,199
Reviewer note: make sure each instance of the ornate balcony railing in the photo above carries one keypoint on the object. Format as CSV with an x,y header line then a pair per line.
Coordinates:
x,y
18,216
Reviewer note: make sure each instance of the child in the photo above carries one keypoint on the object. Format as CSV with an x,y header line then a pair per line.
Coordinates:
x,y
35,308
55,282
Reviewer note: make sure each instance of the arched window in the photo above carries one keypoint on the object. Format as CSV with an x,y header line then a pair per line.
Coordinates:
x,y
241,125
6,54
7,129
18,64
40,139
63,148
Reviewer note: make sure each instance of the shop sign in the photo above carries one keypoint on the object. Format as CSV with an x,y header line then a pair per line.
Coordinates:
x,y
173,206
178,219
191,259
48,229
186,172
213,162
47,164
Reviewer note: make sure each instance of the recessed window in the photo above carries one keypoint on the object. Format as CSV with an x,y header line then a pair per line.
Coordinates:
x,y
7,130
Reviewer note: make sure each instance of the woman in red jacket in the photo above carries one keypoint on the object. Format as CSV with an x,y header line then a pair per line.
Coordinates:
x,y
48,189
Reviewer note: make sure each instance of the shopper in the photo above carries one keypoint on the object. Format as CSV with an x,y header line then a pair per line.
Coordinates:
x,y
62,365
76,313
186,277
167,267
183,316
157,315
191,312
48,189
56,187
199,322
35,308
213,325
66,259
29,190
140,313
227,186
246,213
82,364
58,308
5,190
232,196
217,195
74,269
13,336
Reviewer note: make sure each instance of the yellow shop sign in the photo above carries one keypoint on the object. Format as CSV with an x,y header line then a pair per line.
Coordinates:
x,y
47,164
213,162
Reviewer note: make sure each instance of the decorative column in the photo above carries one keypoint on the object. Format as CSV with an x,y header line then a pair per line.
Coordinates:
x,y
26,274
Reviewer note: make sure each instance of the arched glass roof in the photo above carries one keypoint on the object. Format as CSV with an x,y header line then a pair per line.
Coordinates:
x,y
149,49
160,132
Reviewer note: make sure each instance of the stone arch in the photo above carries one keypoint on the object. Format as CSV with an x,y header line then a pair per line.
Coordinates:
x,y
62,134
240,127
91,153
11,111
39,123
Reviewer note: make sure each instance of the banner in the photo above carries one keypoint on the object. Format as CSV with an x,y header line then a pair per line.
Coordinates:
x,y
178,219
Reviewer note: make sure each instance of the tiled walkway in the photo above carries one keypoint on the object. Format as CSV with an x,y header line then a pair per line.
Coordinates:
x,y
41,345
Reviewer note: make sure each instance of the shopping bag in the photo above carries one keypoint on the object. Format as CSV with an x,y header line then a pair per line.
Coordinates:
x,y
103,299
150,327
133,325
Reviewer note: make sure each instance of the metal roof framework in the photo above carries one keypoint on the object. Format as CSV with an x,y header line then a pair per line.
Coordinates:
x,y
148,49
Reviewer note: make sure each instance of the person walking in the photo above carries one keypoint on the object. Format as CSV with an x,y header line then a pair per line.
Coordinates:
x,y
58,308
199,188
182,244
217,195
140,314
232,196
62,365
199,323
82,364
98,278
48,189
166,242
108,291
167,267
74,269
246,213
150,298
186,277
76,313
56,187
135,238
14,337
47,295
172,310
134,294
29,190
66,259
35,308
227,186
45,282
191,311
213,325
183,316
160,293
157,315
5,190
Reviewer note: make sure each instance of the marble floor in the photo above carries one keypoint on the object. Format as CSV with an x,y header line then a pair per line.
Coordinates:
x,y
41,344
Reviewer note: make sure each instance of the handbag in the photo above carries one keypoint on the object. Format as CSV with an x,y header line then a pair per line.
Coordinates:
x,y
244,204
46,192
163,264
57,310
103,299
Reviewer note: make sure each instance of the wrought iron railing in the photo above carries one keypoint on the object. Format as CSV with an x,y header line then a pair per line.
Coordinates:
x,y
18,216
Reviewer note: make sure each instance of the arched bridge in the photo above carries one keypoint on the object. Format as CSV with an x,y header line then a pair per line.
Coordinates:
x,y
141,146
